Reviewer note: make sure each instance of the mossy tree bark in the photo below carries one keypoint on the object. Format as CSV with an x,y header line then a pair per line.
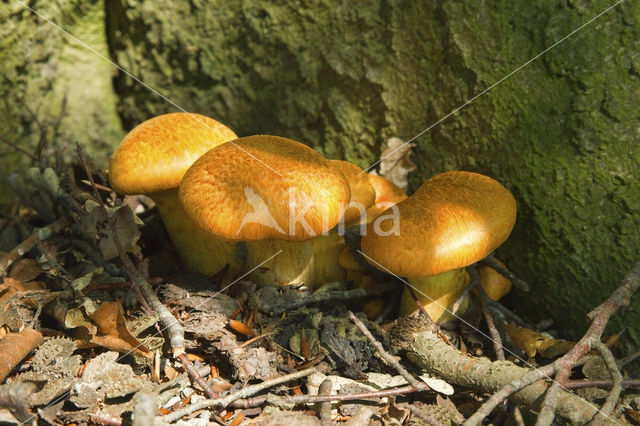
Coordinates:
x,y
46,77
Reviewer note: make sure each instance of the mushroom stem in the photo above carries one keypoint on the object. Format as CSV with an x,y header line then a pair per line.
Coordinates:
x,y
293,264
326,251
436,293
199,250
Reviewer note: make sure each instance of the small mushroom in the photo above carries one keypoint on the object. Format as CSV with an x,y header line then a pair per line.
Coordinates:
x,y
388,194
152,159
327,248
453,220
493,283
272,192
363,195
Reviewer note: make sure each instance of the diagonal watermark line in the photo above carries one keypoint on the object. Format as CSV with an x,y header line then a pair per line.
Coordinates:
x,y
528,364
493,85
145,85
64,395
212,296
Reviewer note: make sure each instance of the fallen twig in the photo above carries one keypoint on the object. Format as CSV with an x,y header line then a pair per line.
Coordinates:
x,y
555,396
146,295
426,349
391,360
21,249
493,331
243,393
193,372
134,276
616,378
325,296
603,383
314,399
500,308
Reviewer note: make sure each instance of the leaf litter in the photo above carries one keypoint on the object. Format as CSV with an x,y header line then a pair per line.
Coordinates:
x,y
98,358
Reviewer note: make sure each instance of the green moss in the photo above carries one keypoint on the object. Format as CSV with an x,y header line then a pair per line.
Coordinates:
x,y
40,67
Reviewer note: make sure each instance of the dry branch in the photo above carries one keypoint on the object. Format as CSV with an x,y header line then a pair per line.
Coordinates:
x,y
427,350
314,399
21,249
556,399
243,393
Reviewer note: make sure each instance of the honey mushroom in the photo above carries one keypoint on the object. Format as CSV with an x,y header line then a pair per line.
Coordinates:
x,y
453,220
271,192
152,159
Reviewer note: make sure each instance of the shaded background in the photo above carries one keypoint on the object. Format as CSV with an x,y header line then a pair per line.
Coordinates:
x,y
344,77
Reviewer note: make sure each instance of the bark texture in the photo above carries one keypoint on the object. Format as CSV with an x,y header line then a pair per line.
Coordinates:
x,y
39,66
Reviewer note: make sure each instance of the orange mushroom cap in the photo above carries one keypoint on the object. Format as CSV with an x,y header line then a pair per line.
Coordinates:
x,y
453,219
493,283
387,192
362,193
155,154
264,187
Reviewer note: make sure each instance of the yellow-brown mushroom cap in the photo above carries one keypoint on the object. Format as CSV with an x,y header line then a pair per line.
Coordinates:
x,y
362,193
155,154
264,187
387,192
453,219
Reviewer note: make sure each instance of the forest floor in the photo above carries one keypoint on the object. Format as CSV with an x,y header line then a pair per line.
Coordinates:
x,y
101,325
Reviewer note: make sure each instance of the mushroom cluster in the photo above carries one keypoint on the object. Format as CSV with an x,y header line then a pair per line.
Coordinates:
x,y
453,220
276,209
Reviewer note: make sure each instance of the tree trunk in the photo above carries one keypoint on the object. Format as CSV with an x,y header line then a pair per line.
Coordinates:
x,y
50,81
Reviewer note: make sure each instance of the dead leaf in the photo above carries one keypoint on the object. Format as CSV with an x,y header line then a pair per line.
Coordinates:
x,y
82,282
532,342
96,225
19,286
25,270
112,331
15,347
437,385
104,326
395,164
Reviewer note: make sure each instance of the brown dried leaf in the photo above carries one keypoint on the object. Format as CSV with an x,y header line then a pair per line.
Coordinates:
x,y
76,318
395,164
119,345
551,348
19,286
113,332
532,342
14,347
526,340
25,270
